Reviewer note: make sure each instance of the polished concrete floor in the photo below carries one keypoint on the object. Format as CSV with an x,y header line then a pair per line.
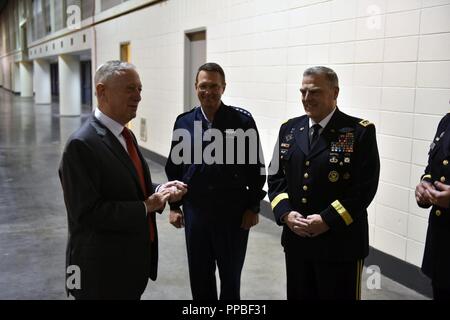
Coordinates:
x,y
33,228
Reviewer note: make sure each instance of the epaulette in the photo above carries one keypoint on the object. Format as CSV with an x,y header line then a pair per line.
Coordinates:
x,y
185,113
365,123
243,111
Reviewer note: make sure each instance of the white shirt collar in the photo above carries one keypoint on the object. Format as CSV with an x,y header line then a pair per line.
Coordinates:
x,y
113,126
204,116
324,121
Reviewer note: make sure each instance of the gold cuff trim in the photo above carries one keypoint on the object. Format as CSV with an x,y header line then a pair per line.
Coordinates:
x,y
342,212
279,198
426,176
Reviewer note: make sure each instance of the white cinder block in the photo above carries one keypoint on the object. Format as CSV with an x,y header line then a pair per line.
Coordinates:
x,y
392,220
371,7
370,27
425,127
270,57
297,55
397,99
432,3
343,9
417,228
369,51
342,52
318,33
434,47
432,101
393,196
435,20
433,74
402,23
319,12
318,54
298,17
293,93
420,152
399,74
343,31
297,37
395,172
395,148
369,75
270,39
414,252
403,5
397,124
270,74
401,49
295,74
345,96
390,243
366,97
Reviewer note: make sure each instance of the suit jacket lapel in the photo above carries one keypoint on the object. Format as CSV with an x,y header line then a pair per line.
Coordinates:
x,y
325,137
301,135
116,148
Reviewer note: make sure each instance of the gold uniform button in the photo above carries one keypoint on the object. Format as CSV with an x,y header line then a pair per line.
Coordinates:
x,y
307,163
438,212
304,200
305,188
306,176
445,162
442,179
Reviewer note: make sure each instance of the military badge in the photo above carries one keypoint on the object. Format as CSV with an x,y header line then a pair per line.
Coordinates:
x,y
289,137
344,143
285,145
346,176
333,176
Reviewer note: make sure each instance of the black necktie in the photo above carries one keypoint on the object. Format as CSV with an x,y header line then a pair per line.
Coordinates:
x,y
315,135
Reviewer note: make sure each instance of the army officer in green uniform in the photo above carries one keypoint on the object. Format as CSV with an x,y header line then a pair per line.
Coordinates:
x,y
327,175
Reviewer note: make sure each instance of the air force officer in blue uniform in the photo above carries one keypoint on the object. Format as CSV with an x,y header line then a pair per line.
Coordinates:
x,y
222,203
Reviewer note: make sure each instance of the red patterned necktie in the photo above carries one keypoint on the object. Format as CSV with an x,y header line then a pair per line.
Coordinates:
x,y
132,151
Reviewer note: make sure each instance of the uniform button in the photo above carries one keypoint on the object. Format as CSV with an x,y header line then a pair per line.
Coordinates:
x,y
442,179
305,188
438,212
306,176
445,162
307,163
304,200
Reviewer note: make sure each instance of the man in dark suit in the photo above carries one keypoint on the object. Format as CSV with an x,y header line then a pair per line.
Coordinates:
x,y
327,175
109,195
225,180
434,191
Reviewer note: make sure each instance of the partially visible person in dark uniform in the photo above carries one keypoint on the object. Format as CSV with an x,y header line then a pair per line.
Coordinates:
x,y
434,191
327,176
223,200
